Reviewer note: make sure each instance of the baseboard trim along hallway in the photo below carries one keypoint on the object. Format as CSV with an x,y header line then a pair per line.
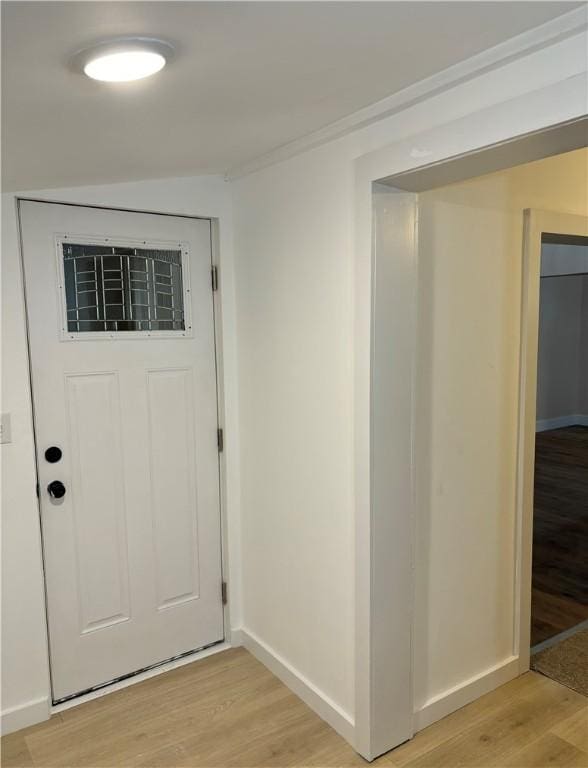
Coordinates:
x,y
317,700
576,419
457,697
29,713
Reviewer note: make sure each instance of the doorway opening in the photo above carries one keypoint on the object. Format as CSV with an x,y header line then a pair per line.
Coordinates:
x,y
471,434
559,604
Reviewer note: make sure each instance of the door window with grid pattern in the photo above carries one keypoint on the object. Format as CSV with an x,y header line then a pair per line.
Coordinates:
x,y
118,288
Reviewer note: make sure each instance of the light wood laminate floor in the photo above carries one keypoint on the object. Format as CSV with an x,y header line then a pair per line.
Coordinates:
x,y
228,710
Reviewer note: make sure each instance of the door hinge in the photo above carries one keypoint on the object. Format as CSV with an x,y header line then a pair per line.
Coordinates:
x,y
214,278
220,440
224,592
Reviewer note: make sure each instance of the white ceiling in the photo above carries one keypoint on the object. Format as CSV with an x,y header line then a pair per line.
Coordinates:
x,y
248,77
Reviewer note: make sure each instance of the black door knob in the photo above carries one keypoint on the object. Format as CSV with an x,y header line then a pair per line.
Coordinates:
x,y
53,454
56,489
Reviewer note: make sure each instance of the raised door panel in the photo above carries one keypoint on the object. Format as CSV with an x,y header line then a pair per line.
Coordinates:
x,y
97,487
174,504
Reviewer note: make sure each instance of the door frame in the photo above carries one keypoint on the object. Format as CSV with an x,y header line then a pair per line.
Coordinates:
x,y
215,255
496,138
536,222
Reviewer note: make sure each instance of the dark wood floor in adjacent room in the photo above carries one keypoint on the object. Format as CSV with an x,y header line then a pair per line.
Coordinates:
x,y
560,532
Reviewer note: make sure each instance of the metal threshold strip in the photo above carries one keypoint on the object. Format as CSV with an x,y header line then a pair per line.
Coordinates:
x,y
119,679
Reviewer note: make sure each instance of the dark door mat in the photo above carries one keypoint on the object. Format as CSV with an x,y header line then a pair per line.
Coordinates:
x,y
566,662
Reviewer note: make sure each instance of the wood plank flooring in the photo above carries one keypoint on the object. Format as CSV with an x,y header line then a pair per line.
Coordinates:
x,y
560,532
230,711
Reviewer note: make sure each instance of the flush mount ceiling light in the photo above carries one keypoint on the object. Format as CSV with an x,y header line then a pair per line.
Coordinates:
x,y
123,59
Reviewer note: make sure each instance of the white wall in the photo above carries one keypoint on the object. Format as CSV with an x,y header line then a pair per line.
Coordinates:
x,y
294,318
25,686
560,385
294,229
563,259
25,671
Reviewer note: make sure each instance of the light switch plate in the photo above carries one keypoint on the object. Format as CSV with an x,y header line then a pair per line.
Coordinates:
x,y
5,431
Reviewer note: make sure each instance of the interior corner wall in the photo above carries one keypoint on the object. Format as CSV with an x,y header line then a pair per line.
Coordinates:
x,y
470,270
25,673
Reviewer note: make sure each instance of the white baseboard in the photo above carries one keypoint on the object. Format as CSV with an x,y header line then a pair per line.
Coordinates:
x,y
31,713
457,697
574,419
316,699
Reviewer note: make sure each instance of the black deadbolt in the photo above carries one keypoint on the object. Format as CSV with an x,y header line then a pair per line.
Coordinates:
x,y
53,454
56,489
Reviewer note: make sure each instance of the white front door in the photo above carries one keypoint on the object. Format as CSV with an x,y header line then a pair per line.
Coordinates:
x,y
121,327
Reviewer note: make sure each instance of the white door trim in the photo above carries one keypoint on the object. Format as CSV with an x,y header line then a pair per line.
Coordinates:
x,y
220,404
535,223
385,313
